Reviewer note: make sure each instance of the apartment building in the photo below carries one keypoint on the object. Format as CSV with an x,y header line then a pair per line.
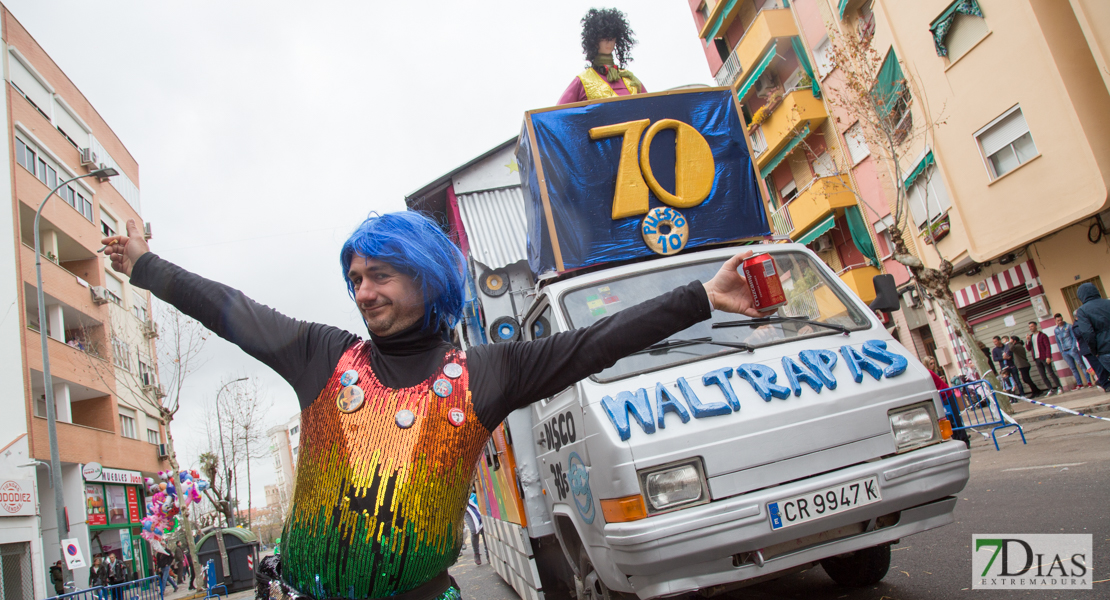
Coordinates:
x,y
101,337
1012,184
285,445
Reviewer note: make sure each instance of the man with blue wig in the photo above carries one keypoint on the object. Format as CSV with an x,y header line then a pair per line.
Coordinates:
x,y
392,426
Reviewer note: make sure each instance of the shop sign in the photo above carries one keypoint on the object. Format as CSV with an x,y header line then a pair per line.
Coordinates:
x,y
133,505
17,498
96,472
96,512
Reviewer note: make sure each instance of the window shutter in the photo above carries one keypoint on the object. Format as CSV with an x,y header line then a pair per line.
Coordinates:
x,y
113,285
857,146
965,32
66,122
30,85
1003,132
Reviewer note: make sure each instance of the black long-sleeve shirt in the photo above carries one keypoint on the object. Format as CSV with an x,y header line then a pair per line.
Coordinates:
x,y
503,377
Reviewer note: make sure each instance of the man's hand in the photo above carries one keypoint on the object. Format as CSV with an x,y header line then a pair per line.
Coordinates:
x,y
123,251
729,291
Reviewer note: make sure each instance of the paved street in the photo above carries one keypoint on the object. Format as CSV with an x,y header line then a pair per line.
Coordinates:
x,y
1056,483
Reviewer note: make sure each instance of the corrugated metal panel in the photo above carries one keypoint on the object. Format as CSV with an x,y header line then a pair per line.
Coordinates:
x,y
495,226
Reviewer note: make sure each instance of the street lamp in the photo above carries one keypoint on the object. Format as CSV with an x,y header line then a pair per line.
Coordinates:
x,y
102,174
223,453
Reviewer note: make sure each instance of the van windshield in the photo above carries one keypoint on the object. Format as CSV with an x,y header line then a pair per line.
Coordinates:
x,y
809,293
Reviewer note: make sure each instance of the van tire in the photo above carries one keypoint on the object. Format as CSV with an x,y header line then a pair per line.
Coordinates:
x,y
597,589
860,568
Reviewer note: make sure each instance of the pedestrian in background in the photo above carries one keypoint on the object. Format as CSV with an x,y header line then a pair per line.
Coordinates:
x,y
165,567
57,578
1069,349
1092,319
1038,345
1094,368
950,399
1021,363
474,522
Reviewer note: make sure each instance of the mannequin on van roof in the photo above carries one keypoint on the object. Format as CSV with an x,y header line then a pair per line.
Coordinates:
x,y
607,41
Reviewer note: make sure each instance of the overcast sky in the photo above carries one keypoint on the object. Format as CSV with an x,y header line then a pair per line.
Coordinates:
x,y
266,131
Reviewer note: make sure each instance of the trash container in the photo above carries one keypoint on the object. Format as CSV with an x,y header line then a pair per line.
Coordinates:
x,y
242,556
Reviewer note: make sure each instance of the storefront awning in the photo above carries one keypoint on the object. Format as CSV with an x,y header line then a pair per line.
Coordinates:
x,y
818,229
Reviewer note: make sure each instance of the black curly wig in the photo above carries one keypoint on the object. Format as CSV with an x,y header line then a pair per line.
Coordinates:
x,y
607,24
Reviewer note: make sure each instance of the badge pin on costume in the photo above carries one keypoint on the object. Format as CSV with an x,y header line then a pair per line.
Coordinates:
x,y
452,370
405,418
456,417
442,388
350,399
348,378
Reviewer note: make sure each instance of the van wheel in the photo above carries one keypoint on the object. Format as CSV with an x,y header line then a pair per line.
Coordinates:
x,y
860,568
590,586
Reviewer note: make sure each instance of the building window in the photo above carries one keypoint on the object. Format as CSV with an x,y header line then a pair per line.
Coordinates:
x,y
703,12
759,143
927,196
882,231
857,145
47,174
823,55
1006,143
108,225
121,354
127,423
24,156
114,288
146,373
958,28
138,307
823,165
153,436
294,429
788,192
865,25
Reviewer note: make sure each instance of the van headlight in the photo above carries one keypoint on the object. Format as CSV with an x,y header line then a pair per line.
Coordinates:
x,y
914,426
674,486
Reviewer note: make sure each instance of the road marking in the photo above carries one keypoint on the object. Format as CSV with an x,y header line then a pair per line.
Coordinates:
x,y
1044,467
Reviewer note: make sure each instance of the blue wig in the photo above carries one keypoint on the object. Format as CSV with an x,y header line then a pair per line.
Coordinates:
x,y
416,246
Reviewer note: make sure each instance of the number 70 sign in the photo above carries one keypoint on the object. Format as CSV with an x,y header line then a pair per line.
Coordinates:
x,y
693,169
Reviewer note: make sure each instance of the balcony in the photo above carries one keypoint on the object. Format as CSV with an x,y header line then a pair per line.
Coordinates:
x,y
816,202
62,285
85,444
797,108
769,26
860,279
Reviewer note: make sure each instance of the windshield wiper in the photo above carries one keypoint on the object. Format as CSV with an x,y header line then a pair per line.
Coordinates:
x,y
757,322
672,343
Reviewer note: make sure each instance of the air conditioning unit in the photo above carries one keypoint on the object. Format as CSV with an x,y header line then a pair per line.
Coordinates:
x,y
149,388
150,329
823,243
99,294
911,298
160,392
163,452
89,158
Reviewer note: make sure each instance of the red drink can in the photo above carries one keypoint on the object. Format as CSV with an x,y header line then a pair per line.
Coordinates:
x,y
763,279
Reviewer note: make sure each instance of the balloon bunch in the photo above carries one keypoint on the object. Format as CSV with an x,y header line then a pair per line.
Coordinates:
x,y
162,508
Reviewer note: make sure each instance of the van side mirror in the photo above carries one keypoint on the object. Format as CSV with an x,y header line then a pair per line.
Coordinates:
x,y
886,294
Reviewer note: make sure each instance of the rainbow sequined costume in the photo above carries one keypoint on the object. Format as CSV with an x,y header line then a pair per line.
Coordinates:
x,y
383,479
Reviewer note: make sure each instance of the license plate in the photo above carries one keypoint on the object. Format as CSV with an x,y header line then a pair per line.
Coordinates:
x,y
822,503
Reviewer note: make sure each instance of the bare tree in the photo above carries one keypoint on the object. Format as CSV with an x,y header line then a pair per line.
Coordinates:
x,y
864,91
250,406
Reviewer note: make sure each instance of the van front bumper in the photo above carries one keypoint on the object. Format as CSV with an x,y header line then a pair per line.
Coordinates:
x,y
698,547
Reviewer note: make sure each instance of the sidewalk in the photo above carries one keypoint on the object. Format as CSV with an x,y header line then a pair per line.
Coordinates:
x,y
1091,401
183,593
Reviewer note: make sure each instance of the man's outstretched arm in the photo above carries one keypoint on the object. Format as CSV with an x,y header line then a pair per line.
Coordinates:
x,y
510,376
304,354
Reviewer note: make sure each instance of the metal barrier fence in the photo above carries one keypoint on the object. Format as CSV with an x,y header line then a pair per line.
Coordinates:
x,y
975,404
140,589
